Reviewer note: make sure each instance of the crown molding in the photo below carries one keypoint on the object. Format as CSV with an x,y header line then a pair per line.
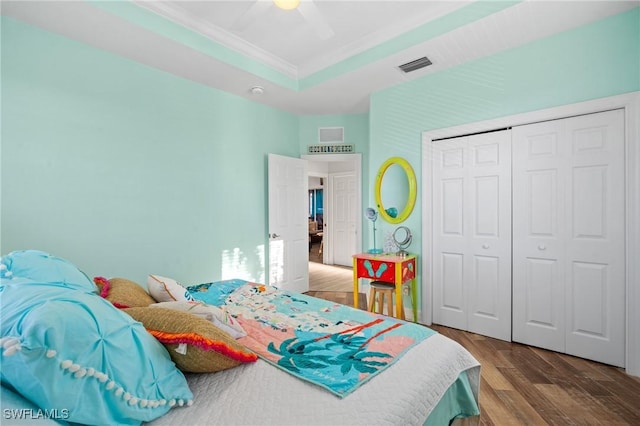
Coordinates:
x,y
219,35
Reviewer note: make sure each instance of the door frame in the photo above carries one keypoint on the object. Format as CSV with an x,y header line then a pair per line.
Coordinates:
x,y
630,102
356,158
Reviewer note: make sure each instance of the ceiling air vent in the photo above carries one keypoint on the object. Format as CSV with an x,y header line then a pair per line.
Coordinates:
x,y
415,65
330,134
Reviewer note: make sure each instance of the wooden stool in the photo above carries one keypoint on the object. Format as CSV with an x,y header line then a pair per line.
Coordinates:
x,y
380,290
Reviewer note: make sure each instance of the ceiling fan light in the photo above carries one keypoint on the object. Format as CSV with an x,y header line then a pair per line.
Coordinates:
x,y
287,4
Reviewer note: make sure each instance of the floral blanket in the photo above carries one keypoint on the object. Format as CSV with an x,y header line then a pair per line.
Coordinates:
x,y
332,345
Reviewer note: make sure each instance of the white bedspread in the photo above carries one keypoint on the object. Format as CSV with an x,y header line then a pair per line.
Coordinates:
x,y
260,394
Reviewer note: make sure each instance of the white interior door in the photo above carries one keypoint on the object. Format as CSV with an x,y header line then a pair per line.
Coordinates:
x,y
569,242
343,217
472,233
288,224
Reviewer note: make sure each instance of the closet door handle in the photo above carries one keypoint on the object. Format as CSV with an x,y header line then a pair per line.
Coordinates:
x,y
485,246
542,247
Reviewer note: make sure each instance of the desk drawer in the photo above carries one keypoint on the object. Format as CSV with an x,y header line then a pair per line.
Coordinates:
x,y
376,270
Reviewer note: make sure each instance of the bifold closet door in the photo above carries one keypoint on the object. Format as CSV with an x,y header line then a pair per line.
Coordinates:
x,y
472,233
568,236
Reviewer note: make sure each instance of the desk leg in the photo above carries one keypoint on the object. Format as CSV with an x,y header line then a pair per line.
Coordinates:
x,y
356,295
399,301
414,300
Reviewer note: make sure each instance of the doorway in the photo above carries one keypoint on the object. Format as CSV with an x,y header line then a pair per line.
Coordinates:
x,y
339,178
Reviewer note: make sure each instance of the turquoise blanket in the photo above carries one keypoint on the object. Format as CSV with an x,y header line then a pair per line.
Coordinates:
x,y
334,346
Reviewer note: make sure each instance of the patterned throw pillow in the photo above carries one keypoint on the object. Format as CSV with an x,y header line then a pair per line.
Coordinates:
x,y
218,316
164,289
195,344
123,293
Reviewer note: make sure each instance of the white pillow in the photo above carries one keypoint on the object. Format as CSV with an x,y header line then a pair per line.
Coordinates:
x,y
164,289
218,316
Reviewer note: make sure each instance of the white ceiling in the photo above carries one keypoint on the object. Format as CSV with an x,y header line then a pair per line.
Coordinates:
x,y
300,43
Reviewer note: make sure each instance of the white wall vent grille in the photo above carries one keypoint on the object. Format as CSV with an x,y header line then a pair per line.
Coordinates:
x,y
330,134
330,149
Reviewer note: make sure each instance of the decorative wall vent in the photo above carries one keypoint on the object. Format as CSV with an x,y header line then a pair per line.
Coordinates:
x,y
415,65
330,149
330,134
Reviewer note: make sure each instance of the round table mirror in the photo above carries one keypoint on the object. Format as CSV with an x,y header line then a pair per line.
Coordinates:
x,y
402,237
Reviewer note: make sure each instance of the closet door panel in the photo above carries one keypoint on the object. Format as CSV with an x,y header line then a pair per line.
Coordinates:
x,y
485,286
596,242
452,304
568,236
538,247
489,269
486,191
538,305
449,233
452,202
589,289
472,233
542,187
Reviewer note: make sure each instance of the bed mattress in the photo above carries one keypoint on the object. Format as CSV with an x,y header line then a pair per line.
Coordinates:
x,y
259,394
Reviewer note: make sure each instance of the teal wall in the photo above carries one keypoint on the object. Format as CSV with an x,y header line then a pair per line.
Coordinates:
x,y
127,170
594,61
356,129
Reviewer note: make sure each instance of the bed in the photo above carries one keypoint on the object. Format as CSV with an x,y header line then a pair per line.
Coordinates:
x,y
431,380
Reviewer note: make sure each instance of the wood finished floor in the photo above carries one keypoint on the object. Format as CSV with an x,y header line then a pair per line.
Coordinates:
x,y
523,385
325,277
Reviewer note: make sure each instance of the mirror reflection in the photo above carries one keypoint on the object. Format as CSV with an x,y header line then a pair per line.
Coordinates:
x,y
395,190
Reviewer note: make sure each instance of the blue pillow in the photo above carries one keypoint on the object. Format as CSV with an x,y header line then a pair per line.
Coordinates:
x,y
39,266
70,351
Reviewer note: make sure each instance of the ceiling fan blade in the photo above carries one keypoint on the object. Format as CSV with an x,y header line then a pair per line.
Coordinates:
x,y
256,10
311,13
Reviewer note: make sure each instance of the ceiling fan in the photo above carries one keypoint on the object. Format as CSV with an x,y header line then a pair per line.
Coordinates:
x,y
306,8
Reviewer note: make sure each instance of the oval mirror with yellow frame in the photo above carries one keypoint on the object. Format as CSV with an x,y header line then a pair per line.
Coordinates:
x,y
395,190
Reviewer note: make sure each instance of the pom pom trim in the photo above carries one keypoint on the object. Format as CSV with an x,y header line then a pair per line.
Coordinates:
x,y
105,284
11,346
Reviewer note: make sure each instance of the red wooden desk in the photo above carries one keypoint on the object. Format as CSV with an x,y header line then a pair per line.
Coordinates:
x,y
387,267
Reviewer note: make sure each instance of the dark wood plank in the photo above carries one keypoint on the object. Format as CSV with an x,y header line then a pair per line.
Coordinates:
x,y
559,388
523,385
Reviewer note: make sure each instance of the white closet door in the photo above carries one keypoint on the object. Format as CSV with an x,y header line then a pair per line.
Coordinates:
x,y
595,200
538,235
568,250
489,281
472,233
450,248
